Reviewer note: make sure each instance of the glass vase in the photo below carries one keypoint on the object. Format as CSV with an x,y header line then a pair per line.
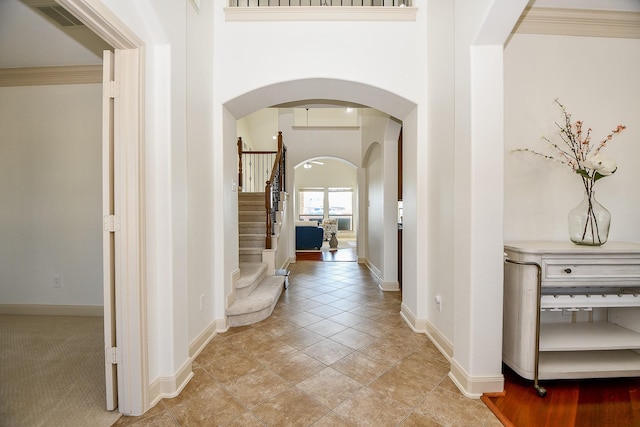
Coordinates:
x,y
589,222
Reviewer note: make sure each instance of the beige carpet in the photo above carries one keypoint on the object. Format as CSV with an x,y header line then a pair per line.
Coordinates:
x,y
52,372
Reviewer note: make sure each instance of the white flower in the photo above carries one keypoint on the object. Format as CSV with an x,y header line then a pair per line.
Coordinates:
x,y
600,164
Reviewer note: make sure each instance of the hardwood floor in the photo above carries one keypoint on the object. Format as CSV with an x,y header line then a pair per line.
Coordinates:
x,y
583,403
346,255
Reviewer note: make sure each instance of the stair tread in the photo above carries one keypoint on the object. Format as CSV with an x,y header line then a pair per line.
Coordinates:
x,y
265,294
250,272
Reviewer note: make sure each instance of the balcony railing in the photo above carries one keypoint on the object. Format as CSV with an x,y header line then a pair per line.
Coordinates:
x,y
350,3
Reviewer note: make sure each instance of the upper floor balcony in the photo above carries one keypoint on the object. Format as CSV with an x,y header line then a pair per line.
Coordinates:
x,y
320,10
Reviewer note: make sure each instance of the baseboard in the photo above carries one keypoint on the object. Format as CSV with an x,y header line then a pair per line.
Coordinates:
x,y
444,345
372,268
168,387
222,325
390,286
52,310
416,325
201,341
474,387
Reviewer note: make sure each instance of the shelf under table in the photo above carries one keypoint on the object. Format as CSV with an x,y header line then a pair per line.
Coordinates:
x,y
589,364
585,336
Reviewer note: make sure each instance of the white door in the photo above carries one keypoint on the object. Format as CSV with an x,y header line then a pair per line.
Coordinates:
x,y
108,239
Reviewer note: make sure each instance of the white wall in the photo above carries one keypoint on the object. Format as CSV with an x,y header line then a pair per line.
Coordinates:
x,y
374,196
51,194
597,80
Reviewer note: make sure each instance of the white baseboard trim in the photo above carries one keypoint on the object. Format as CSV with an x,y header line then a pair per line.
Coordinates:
x,y
222,325
168,387
373,269
52,310
390,286
416,325
201,341
474,387
444,345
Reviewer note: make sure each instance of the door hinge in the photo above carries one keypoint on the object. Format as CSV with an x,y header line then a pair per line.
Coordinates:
x,y
112,355
111,223
111,89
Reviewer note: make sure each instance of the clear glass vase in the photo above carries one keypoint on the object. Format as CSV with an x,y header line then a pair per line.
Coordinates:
x,y
589,222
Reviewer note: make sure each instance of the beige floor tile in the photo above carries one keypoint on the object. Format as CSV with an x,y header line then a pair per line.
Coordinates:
x,y
415,420
325,311
202,384
387,351
245,420
360,367
230,367
270,352
276,326
290,408
304,318
297,367
329,387
367,407
404,386
451,409
353,338
257,387
326,327
348,319
332,420
327,351
207,410
301,338
163,419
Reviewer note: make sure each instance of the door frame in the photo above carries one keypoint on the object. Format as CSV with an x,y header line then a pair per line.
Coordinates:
x,y
130,292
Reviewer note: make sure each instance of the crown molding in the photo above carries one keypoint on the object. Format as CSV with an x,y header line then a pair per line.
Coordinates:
x,y
35,76
579,22
320,13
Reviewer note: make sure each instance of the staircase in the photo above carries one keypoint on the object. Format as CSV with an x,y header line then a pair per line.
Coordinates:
x,y
251,226
256,292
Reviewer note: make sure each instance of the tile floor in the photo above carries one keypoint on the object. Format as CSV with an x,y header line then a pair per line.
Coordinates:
x,y
335,352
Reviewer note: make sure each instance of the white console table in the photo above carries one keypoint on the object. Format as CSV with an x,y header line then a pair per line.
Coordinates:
x,y
581,319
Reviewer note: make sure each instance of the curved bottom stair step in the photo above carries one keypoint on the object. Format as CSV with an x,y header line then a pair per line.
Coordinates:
x,y
258,305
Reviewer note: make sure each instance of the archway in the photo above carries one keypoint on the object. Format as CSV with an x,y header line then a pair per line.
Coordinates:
x,y
339,92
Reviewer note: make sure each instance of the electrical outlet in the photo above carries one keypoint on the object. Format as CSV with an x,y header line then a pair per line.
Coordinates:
x,y
438,300
201,302
57,281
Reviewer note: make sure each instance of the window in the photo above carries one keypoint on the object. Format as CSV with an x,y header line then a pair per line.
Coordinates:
x,y
317,204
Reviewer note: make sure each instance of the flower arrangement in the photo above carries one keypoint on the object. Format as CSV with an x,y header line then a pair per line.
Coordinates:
x,y
585,158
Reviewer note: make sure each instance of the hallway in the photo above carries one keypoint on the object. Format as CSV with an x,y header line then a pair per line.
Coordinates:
x,y
335,352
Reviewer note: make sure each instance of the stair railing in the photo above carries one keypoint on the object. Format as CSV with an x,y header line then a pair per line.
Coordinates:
x,y
252,165
273,188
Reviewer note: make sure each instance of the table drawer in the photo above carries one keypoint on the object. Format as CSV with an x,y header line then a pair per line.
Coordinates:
x,y
588,269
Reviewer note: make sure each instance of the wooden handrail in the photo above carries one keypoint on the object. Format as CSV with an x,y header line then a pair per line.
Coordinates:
x,y
268,199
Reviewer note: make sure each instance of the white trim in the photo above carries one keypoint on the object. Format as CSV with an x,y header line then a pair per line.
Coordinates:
x,y
416,325
131,315
222,325
390,286
201,341
65,75
52,310
167,387
444,345
474,387
320,13
579,22
99,19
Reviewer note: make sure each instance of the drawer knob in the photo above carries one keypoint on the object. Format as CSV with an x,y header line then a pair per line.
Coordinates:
x,y
567,270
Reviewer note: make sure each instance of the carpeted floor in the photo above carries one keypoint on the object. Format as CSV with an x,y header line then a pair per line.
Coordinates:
x,y
52,372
